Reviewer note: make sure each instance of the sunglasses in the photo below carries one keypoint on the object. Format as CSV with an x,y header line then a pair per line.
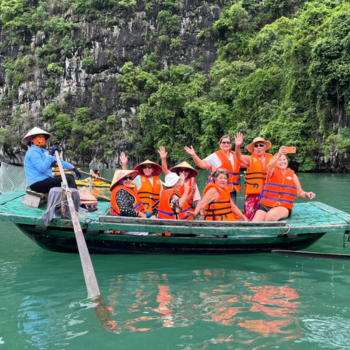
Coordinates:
x,y
184,170
128,178
147,167
259,145
226,142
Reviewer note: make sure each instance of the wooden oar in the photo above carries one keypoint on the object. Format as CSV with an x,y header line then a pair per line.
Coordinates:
x,y
96,177
101,310
89,273
319,255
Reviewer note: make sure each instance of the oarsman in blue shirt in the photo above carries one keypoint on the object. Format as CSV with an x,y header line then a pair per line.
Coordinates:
x,y
38,162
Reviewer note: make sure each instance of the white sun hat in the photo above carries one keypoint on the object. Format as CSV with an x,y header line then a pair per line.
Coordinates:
x,y
170,180
34,132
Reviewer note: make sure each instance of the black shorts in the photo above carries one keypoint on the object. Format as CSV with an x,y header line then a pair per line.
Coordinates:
x,y
266,209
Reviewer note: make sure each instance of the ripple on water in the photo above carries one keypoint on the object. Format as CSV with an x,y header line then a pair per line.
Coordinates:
x,y
330,332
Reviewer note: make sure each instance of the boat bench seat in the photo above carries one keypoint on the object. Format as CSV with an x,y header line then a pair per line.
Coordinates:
x,y
33,199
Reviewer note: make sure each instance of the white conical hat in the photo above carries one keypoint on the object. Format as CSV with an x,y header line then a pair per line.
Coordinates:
x,y
36,131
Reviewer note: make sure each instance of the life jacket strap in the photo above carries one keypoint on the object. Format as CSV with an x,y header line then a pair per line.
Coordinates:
x,y
114,210
286,193
277,199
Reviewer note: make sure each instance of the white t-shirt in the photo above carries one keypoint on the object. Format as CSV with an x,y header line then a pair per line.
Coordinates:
x,y
214,161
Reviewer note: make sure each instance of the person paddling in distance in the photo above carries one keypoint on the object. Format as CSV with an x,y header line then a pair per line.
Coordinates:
x,y
173,204
38,163
217,200
148,184
190,175
256,172
223,159
279,192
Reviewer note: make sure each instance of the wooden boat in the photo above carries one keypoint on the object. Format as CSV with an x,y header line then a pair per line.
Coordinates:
x,y
107,234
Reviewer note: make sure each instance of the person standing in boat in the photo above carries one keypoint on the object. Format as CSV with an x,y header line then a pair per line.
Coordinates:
x,y
217,201
190,175
279,192
256,171
38,163
173,204
148,184
223,159
124,200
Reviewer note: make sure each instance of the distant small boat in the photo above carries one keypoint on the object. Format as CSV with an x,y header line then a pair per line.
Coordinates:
x,y
106,234
99,188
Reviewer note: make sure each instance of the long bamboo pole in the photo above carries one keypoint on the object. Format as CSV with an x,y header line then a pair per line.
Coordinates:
x,y
89,273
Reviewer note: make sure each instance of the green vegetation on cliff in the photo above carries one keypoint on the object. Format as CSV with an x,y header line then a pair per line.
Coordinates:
x,y
282,81
282,72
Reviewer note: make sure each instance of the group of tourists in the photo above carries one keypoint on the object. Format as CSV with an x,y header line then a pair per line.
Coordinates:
x,y
270,186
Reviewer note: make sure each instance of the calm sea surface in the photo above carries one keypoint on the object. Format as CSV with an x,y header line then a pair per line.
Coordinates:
x,y
180,302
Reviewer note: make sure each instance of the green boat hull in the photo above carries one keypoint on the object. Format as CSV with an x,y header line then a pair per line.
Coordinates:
x,y
63,241
105,234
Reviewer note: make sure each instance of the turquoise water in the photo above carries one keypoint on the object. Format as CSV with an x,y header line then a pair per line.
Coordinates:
x,y
179,302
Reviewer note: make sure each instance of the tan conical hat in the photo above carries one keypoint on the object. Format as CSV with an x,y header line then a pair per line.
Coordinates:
x,y
36,131
120,174
157,168
184,164
250,147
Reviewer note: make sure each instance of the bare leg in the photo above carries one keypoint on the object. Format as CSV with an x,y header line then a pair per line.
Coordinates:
x,y
277,213
260,215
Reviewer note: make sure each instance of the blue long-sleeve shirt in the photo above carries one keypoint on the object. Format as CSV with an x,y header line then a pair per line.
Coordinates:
x,y
37,164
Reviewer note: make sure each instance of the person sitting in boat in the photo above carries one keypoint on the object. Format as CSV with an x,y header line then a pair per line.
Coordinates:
x,y
96,172
223,159
38,163
147,183
190,177
256,171
173,204
217,200
280,190
124,200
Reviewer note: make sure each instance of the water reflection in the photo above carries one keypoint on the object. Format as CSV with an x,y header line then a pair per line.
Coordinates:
x,y
243,300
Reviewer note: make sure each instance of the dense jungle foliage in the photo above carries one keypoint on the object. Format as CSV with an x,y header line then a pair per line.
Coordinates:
x,y
283,72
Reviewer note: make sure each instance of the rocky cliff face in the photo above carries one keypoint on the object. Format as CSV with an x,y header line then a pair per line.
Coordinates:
x,y
105,42
62,65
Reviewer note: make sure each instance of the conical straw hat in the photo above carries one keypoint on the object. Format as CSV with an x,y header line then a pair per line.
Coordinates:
x,y
120,174
34,132
184,164
87,197
157,168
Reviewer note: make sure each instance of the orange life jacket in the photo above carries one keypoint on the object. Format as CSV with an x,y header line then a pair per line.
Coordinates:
x,y
220,209
255,177
279,189
149,193
114,208
165,211
233,179
192,181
